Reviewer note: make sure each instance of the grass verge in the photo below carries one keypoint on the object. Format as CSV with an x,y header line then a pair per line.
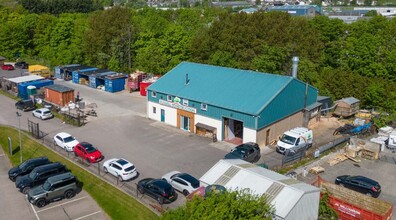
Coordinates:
x,y
117,204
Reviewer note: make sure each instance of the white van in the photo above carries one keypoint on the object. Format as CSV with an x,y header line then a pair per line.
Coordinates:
x,y
295,138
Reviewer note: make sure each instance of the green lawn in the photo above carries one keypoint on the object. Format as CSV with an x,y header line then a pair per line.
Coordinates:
x,y
117,204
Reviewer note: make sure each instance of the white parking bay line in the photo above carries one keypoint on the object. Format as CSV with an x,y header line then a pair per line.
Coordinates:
x,y
42,210
34,210
94,213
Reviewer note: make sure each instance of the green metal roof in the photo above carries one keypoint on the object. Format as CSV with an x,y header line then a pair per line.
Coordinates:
x,y
235,89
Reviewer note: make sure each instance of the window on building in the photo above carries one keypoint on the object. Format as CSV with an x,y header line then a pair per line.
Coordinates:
x,y
169,98
185,102
204,106
154,110
153,94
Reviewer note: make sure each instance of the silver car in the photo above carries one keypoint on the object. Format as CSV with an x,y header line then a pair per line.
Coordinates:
x,y
42,113
182,182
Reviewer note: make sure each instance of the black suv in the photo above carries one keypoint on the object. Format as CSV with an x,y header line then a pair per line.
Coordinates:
x,y
55,188
360,184
26,167
25,105
158,189
21,65
249,152
39,175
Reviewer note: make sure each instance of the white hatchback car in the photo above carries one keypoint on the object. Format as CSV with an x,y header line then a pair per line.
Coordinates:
x,y
120,168
65,141
182,182
42,113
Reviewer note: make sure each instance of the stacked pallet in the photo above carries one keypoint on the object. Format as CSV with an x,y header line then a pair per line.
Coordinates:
x,y
338,159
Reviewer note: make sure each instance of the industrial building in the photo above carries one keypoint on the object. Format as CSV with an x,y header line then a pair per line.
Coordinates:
x,y
230,104
297,10
290,198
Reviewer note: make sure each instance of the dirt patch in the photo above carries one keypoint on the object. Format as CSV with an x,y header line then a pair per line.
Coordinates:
x,y
323,130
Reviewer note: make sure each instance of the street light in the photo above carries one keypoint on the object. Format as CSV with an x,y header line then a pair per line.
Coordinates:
x,y
19,129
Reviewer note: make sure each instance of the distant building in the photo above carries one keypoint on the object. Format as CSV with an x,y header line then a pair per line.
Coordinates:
x,y
297,10
347,107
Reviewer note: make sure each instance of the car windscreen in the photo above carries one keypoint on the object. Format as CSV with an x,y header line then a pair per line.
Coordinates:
x,y
46,186
239,152
192,180
32,174
69,139
129,168
288,139
23,165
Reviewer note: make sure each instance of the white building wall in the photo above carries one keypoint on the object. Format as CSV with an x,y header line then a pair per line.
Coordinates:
x,y
306,208
249,135
170,113
211,122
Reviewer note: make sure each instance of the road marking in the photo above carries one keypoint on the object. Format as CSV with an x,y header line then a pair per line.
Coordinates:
x,y
41,210
34,210
87,215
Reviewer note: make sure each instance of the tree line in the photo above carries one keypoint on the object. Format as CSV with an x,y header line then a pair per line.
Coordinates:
x,y
341,60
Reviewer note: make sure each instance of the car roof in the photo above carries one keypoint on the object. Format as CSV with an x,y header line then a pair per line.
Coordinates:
x,y
63,134
187,177
43,109
59,177
161,183
365,179
122,162
85,144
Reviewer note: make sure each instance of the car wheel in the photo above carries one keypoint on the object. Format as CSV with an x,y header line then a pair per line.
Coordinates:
x,y
69,194
41,203
140,189
25,190
160,200
120,178
105,170
185,192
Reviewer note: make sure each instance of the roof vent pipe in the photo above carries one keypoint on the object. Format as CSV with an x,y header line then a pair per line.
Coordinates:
x,y
295,67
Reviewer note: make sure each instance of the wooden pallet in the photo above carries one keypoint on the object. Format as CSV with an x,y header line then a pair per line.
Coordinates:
x,y
317,170
338,159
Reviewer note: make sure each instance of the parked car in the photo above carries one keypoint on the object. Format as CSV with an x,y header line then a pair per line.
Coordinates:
x,y
88,152
42,113
158,189
65,141
7,67
38,176
25,105
360,184
120,168
26,167
21,65
249,152
182,182
54,188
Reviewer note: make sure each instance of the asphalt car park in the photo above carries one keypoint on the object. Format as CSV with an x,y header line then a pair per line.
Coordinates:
x,y
14,204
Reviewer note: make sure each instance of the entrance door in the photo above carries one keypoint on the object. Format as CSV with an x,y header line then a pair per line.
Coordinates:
x,y
185,123
162,115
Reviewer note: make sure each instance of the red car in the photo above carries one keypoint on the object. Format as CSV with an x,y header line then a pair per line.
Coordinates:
x,y
88,152
7,67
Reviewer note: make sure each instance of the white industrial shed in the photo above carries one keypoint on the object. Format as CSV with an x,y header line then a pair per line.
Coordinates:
x,y
291,198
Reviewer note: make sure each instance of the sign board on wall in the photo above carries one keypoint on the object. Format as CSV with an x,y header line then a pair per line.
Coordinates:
x,y
177,105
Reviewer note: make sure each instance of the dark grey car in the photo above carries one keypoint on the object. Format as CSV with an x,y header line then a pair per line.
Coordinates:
x,y
249,152
26,167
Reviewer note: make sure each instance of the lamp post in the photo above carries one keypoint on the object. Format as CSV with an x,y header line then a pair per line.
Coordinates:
x,y
19,129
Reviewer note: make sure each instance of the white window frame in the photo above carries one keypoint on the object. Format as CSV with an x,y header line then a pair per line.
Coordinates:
x,y
153,94
185,102
169,98
204,106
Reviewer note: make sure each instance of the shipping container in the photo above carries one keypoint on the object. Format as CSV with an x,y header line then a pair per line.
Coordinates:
x,y
352,205
115,82
23,91
79,74
59,95
98,79
65,72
